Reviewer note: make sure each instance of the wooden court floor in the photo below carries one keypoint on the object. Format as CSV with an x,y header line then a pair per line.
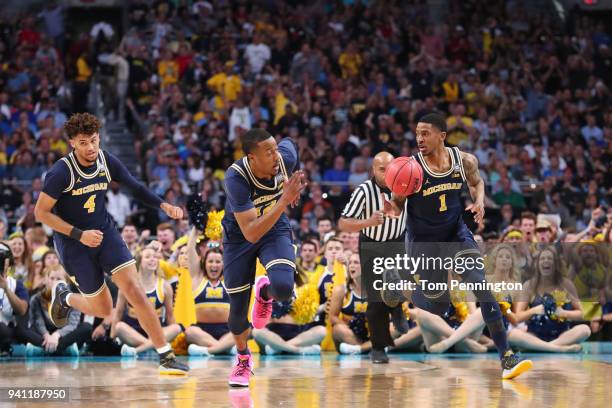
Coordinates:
x,y
410,380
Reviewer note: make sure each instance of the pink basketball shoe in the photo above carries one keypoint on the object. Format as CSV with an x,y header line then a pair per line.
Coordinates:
x,y
262,309
242,371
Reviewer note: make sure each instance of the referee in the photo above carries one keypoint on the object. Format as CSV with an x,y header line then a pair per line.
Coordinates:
x,y
364,214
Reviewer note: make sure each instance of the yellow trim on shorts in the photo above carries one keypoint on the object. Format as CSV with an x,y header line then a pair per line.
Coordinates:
x,y
96,293
239,288
123,265
280,261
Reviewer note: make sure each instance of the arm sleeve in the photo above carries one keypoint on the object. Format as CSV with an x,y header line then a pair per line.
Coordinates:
x,y
122,175
354,207
238,192
57,180
289,152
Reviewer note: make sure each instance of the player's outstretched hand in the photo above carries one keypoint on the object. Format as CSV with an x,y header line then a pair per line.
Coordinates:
x,y
92,238
292,189
172,211
390,209
478,210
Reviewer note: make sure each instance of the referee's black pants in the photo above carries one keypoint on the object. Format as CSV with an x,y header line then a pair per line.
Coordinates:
x,y
378,311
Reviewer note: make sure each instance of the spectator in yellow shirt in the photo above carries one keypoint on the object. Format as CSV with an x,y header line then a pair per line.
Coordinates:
x,y
81,83
227,85
451,89
460,127
350,61
168,69
57,143
281,104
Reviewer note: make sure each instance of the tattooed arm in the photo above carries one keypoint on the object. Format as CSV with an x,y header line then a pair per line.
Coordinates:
x,y
475,184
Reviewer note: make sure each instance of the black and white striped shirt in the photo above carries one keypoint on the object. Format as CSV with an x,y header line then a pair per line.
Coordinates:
x,y
365,200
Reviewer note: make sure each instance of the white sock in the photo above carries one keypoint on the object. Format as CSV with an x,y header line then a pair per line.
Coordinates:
x,y
164,349
349,348
68,299
271,350
196,350
310,350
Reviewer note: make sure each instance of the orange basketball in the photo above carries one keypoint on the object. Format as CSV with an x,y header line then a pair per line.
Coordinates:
x,y
404,176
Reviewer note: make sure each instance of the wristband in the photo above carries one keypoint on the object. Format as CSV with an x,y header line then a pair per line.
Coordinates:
x,y
76,233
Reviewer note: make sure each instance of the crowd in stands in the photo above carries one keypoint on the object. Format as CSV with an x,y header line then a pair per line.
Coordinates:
x,y
527,92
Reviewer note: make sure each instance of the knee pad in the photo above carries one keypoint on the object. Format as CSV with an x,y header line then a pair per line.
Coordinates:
x,y
282,279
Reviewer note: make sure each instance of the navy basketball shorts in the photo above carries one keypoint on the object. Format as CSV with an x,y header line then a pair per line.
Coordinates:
x,y
87,266
240,260
431,248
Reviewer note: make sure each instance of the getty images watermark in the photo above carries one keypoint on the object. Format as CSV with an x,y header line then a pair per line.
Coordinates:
x,y
417,267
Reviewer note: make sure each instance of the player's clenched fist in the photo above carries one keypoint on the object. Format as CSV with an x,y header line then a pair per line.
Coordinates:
x,y
172,211
293,187
92,238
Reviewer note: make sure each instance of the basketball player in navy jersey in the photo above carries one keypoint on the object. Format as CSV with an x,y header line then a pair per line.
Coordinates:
x,y
259,188
435,215
89,245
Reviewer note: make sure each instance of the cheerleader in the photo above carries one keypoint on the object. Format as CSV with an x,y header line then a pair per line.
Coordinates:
x,y
125,323
435,329
553,303
210,334
324,275
348,313
502,260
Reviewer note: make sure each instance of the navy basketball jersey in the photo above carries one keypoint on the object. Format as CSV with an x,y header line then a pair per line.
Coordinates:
x,y
437,208
245,191
80,192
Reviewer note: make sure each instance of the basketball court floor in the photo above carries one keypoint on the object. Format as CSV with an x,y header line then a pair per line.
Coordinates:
x,y
410,380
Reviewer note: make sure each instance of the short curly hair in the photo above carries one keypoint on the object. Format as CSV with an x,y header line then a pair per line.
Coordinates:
x,y
81,124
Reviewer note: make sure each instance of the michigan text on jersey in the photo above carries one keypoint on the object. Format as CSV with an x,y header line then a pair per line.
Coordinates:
x,y
90,188
442,187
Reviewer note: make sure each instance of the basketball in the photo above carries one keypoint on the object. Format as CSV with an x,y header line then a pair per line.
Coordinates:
x,y
404,176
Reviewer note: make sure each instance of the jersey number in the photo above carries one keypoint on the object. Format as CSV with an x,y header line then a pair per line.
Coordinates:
x,y
264,210
443,203
90,204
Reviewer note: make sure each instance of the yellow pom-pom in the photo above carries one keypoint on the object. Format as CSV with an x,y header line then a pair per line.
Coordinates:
x,y
213,230
461,310
560,297
504,306
306,304
406,310
179,345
